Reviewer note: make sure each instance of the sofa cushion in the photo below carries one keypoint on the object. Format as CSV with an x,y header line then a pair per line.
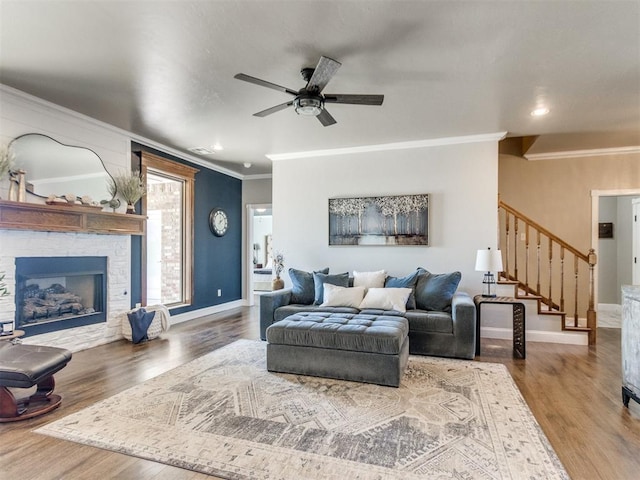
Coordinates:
x,y
405,282
335,296
386,298
354,332
369,279
429,322
303,289
319,279
435,291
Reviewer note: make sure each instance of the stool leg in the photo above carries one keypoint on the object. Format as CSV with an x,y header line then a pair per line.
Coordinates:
x,y
45,389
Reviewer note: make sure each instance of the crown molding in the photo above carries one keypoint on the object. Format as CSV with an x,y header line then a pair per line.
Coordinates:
x,y
594,152
435,142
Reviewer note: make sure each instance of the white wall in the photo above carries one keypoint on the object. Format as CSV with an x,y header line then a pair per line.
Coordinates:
x,y
461,179
608,253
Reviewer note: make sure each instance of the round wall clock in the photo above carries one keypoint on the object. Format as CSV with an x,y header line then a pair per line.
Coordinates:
x,y
218,222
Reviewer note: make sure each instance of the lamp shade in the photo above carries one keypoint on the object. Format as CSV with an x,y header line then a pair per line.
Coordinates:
x,y
489,261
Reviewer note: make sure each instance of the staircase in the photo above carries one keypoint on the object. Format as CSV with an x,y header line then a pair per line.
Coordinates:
x,y
545,269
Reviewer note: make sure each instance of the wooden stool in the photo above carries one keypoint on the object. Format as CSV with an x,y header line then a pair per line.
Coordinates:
x,y
23,366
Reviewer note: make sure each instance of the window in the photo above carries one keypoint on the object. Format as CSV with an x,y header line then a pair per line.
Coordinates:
x,y
167,250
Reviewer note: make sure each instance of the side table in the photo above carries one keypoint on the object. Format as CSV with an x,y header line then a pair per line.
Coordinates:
x,y
13,336
519,343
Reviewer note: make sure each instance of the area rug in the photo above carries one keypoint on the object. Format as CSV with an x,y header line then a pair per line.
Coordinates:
x,y
225,415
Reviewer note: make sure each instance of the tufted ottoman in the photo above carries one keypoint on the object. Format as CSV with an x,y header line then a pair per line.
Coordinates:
x,y
348,346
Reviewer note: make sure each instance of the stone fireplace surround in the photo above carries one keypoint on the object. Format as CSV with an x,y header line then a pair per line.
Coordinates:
x,y
117,249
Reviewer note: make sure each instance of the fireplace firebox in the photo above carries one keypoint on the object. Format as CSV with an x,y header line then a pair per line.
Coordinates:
x,y
56,293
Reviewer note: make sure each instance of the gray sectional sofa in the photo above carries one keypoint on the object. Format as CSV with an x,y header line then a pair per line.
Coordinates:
x,y
442,320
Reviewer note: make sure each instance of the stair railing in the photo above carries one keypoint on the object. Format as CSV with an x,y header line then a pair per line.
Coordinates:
x,y
545,268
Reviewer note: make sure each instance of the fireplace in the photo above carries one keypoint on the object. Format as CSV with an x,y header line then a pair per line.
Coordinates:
x,y
55,293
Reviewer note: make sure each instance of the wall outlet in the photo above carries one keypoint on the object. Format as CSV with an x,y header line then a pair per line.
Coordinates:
x,y
219,292
523,237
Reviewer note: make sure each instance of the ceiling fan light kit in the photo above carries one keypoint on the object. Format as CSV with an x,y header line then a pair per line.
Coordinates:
x,y
309,100
308,106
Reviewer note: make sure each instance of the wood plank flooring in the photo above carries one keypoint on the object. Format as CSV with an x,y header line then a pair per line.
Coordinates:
x,y
573,391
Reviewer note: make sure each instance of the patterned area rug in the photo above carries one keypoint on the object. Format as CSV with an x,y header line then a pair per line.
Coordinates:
x,y
225,415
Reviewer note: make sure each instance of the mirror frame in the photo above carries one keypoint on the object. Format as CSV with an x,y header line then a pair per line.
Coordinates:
x,y
109,177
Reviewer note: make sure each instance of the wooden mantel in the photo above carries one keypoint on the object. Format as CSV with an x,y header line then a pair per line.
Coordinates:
x,y
67,218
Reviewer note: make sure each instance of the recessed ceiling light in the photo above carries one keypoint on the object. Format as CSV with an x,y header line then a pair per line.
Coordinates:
x,y
217,147
201,151
539,112
247,164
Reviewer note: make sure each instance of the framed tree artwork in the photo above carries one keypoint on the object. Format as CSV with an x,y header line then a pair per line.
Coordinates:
x,y
388,220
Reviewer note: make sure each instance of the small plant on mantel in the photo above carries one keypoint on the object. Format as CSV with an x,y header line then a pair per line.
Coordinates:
x,y
6,160
129,186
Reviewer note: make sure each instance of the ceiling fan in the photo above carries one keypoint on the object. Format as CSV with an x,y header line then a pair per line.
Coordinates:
x,y
310,100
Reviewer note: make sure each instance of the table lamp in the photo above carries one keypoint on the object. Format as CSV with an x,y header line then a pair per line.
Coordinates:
x,y
489,261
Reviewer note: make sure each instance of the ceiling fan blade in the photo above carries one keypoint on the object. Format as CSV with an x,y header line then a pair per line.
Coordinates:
x,y
324,71
264,83
354,99
325,118
271,110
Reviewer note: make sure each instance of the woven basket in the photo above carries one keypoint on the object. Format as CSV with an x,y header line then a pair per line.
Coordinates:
x,y
154,330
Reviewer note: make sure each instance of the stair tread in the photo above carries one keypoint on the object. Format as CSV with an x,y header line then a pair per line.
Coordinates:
x,y
577,329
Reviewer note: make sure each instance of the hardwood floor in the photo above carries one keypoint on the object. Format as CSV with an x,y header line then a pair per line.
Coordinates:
x,y
573,391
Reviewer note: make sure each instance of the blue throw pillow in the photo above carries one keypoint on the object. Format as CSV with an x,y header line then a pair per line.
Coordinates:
x,y
319,279
405,282
434,292
303,289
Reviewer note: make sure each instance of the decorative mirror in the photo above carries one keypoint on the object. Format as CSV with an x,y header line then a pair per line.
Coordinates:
x,y
53,168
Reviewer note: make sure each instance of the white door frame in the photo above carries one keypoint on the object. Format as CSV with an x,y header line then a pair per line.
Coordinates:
x,y
251,211
595,216
636,242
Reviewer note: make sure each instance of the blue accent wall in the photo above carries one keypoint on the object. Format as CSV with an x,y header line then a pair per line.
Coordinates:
x,y
217,260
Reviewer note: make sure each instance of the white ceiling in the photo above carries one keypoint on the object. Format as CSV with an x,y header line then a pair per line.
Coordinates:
x,y
164,70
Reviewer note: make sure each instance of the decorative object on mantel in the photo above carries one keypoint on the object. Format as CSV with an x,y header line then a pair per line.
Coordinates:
x,y
71,199
18,186
113,204
129,186
278,266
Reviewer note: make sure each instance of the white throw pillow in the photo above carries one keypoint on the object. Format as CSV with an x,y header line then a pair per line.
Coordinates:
x,y
369,279
386,299
335,296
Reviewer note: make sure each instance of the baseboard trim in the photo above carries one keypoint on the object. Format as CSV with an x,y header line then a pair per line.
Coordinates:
x,y
570,338
192,315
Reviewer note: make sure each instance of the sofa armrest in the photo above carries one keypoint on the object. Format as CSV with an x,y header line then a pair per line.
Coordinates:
x,y
463,313
269,302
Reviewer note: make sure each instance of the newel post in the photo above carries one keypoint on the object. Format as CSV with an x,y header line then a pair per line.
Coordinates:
x,y
591,313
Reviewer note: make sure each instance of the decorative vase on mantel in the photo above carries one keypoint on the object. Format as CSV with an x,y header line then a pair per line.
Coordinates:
x,y
277,284
131,208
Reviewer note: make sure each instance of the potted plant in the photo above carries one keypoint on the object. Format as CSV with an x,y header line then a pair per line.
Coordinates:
x,y
278,265
129,186
6,160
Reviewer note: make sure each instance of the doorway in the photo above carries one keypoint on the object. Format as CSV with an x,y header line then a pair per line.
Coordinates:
x,y
612,238
259,250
